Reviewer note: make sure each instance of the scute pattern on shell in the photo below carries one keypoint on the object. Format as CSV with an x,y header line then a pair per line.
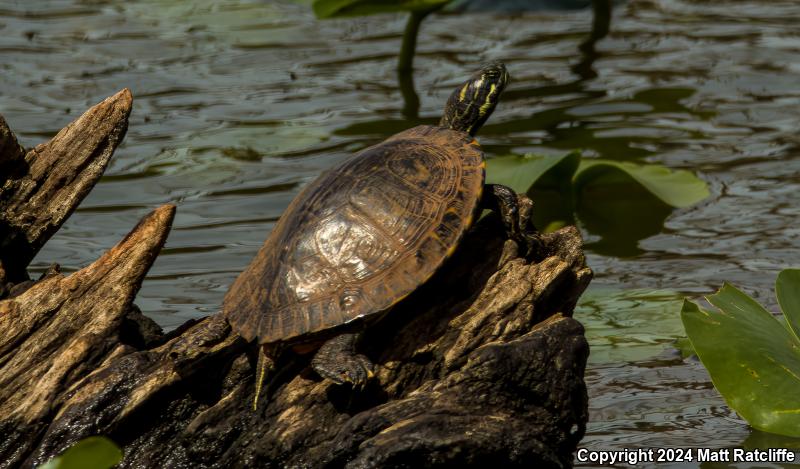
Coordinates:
x,y
363,235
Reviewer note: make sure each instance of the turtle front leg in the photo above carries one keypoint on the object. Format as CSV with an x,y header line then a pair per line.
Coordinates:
x,y
338,361
504,201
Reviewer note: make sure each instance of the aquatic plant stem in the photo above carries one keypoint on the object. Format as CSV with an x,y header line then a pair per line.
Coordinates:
x,y
405,62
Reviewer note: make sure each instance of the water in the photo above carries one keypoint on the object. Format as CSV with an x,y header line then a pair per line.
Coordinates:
x,y
238,104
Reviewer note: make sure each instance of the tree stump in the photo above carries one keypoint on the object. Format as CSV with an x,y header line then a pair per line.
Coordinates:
x,y
481,365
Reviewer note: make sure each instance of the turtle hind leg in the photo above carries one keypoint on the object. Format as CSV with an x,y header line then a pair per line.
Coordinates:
x,y
504,201
338,361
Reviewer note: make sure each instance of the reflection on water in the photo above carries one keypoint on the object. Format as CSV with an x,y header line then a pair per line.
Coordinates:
x,y
614,218
238,104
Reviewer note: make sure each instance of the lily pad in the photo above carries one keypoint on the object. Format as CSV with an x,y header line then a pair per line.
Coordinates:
x,y
619,323
95,452
753,359
522,172
787,289
677,188
605,195
340,8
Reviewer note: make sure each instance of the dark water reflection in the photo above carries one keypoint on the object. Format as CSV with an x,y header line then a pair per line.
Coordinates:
x,y
238,104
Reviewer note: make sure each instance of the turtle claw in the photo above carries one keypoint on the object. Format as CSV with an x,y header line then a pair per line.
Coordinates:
x,y
369,369
337,361
356,370
361,373
515,212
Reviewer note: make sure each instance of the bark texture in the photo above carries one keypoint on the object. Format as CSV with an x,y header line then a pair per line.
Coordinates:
x,y
481,365
42,187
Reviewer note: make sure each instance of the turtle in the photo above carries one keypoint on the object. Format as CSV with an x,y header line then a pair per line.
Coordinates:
x,y
368,232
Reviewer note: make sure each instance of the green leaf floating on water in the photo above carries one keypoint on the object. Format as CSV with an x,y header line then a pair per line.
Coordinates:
x,y
603,194
678,188
619,323
752,357
95,452
787,289
521,172
339,8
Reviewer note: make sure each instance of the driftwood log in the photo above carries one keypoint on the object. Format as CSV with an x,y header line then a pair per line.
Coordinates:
x,y
481,365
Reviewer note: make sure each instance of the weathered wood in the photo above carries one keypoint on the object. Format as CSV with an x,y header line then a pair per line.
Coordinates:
x,y
481,365
469,372
11,152
63,328
42,188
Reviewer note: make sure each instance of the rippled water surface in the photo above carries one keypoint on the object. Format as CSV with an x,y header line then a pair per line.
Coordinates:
x,y
238,104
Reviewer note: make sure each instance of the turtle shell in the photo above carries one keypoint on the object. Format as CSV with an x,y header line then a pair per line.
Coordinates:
x,y
362,236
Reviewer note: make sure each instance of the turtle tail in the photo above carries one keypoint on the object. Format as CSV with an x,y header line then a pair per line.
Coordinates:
x,y
265,364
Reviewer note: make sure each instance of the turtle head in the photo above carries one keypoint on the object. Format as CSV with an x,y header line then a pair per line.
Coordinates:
x,y
473,102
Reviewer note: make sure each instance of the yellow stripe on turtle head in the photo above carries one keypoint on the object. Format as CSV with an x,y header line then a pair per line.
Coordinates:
x,y
488,103
463,93
478,85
